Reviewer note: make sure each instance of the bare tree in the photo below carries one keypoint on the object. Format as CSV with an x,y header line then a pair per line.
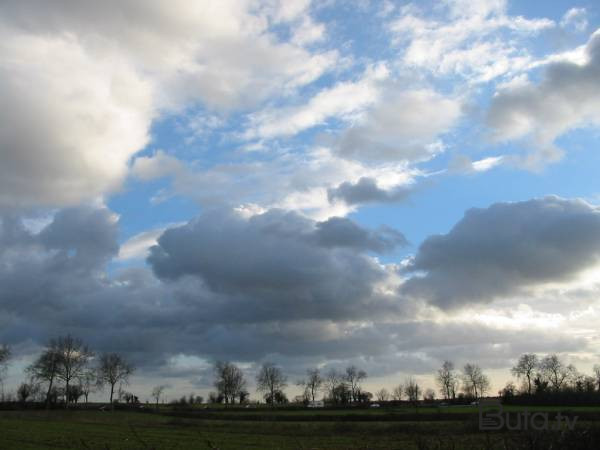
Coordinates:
x,y
382,395
555,371
157,393
526,367
398,392
270,379
447,380
229,381
73,357
27,390
312,383
45,368
412,390
113,369
429,395
475,382
332,380
354,377
88,383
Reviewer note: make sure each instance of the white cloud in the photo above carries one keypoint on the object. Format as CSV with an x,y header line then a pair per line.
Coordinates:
x,y
343,101
465,41
296,182
83,82
403,126
576,18
137,246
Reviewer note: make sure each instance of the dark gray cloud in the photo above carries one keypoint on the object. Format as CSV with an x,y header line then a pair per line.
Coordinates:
x,y
284,265
274,286
342,232
502,249
365,190
568,96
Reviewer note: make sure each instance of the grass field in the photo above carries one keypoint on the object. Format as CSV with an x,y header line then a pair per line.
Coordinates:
x,y
324,429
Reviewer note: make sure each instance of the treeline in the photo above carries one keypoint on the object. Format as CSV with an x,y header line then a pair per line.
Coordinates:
x,y
548,380
67,370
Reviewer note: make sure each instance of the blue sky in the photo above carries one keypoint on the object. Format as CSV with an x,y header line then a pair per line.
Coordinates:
x,y
300,176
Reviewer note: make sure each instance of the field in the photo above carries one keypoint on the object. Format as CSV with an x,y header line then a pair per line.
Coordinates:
x,y
397,428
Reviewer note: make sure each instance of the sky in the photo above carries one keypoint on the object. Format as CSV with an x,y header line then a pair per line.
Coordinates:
x,y
316,184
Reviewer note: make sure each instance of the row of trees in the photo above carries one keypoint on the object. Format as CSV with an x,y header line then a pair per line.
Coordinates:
x,y
67,368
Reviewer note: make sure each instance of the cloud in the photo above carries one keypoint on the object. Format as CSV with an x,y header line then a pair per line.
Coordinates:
x,y
464,40
576,18
303,182
343,101
566,98
90,78
242,288
284,265
342,232
403,126
501,250
463,164
138,246
365,191
75,120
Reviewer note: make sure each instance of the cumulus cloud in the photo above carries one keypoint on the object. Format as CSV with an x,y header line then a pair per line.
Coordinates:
x,y
567,97
89,79
243,288
285,265
501,250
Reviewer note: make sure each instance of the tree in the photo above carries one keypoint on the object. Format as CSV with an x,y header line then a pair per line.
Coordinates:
x,y
475,383
312,383
87,382
554,371
525,368
382,395
412,390
4,357
73,357
508,391
27,390
229,380
398,392
447,380
277,398
45,369
332,381
74,393
429,395
354,377
157,392
269,379
113,369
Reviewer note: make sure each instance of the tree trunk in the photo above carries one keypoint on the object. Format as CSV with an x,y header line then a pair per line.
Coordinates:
x,y
48,393
112,390
67,394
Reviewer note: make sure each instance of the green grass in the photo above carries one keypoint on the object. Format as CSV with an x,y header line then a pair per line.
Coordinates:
x,y
136,430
